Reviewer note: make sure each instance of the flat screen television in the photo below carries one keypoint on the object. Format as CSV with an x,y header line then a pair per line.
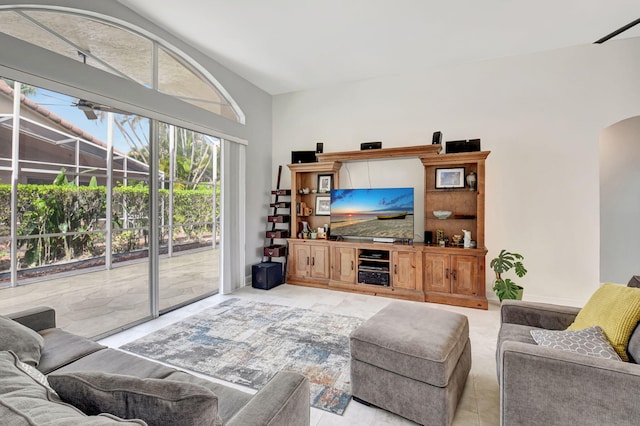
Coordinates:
x,y
379,213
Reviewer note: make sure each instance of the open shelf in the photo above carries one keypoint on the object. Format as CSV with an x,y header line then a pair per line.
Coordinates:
x,y
374,267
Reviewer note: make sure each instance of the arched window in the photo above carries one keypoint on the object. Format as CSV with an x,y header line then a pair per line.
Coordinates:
x,y
125,52
106,59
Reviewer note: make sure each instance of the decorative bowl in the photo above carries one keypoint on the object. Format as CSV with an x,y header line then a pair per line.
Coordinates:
x,y
442,214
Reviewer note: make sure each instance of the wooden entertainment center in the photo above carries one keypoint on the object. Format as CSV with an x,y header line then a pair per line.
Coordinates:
x,y
416,271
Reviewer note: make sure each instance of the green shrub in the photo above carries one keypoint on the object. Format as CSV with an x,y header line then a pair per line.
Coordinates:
x,y
64,208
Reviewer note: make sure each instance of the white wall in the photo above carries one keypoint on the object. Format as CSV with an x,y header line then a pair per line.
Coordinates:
x,y
620,201
540,115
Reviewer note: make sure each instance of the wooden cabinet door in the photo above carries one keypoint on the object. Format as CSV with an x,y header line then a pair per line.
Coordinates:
x,y
319,261
464,275
437,272
404,269
343,265
299,260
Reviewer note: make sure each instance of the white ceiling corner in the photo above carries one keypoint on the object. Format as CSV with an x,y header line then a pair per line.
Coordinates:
x,y
290,45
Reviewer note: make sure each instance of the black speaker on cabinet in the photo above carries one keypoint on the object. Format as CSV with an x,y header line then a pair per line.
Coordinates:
x,y
370,145
474,145
266,275
437,138
454,147
303,157
471,145
319,148
428,237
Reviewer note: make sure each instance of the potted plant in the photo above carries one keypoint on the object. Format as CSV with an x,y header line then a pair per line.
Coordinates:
x,y
504,287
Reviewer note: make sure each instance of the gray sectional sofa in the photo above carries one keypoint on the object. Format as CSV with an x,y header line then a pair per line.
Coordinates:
x,y
97,380
546,386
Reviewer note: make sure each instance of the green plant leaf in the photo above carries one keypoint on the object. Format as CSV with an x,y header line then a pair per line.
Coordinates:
x,y
504,262
520,269
506,289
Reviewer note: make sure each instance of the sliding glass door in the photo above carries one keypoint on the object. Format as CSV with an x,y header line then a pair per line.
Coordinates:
x,y
75,228
189,214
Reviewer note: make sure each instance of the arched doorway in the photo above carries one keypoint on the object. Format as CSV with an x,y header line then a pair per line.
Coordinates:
x,y
620,201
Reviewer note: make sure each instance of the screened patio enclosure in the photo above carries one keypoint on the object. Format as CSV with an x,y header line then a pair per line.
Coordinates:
x,y
72,203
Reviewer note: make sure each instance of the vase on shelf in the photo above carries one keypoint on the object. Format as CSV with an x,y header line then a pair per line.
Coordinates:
x,y
467,238
472,181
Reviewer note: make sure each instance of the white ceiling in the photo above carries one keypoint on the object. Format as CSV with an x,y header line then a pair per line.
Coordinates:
x,y
289,45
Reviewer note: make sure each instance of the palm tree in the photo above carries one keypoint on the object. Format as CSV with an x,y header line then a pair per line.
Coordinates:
x,y
193,151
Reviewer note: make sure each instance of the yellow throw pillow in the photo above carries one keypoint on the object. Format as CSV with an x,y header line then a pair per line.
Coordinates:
x,y
616,309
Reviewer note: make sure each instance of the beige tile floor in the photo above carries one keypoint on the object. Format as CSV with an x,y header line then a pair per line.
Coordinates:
x,y
480,401
92,304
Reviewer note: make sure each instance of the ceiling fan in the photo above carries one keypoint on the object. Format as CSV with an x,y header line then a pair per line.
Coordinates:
x,y
89,108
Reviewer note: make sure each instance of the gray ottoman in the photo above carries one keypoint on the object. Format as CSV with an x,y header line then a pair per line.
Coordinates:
x,y
412,360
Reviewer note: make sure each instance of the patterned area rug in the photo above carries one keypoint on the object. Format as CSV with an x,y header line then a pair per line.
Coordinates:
x,y
248,343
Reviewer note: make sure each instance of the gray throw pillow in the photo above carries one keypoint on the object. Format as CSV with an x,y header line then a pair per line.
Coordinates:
x,y
156,401
21,340
589,341
27,401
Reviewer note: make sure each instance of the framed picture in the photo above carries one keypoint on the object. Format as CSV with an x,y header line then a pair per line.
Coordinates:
x,y
323,205
325,183
450,178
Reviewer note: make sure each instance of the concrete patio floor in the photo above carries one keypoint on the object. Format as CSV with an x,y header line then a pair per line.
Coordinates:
x,y
98,302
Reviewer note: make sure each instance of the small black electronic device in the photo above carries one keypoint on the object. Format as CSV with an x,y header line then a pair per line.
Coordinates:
x,y
463,146
303,157
371,255
453,147
437,138
370,145
474,145
319,148
266,275
428,237
374,267
373,277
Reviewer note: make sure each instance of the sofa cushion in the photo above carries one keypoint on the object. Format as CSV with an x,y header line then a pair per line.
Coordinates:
x,y
232,400
62,348
588,341
158,402
513,333
25,401
118,362
516,333
616,309
23,341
